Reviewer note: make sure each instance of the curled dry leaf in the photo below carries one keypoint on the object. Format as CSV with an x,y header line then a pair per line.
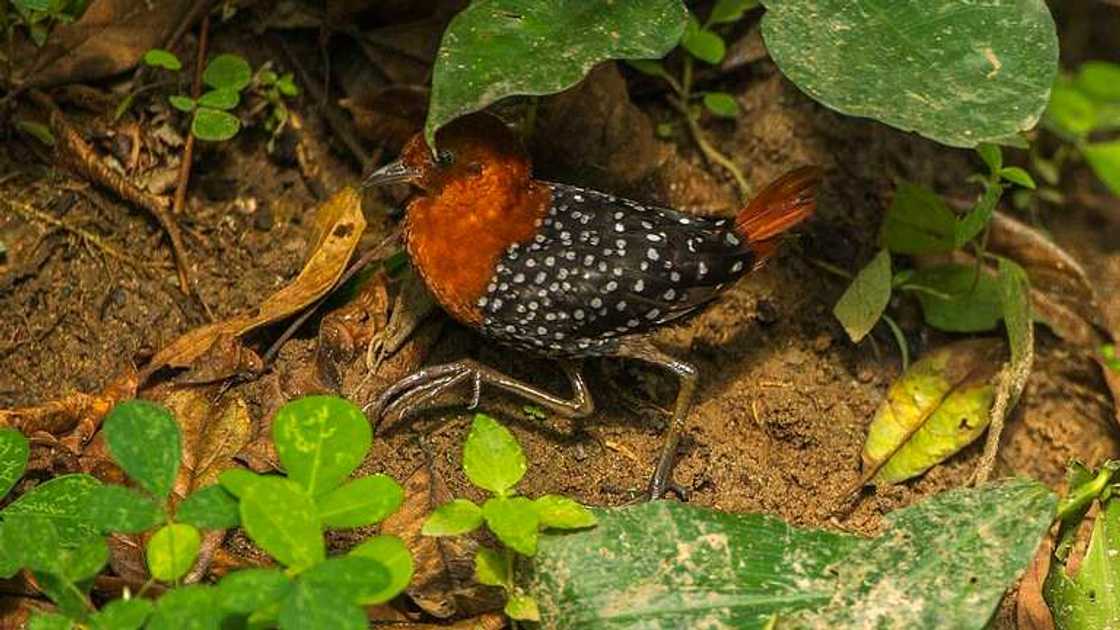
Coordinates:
x,y
79,414
109,38
443,582
339,224
936,408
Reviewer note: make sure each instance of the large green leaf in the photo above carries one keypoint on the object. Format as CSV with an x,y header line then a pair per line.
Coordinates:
x,y
320,440
943,563
958,73
499,48
61,501
492,458
144,440
280,517
1091,598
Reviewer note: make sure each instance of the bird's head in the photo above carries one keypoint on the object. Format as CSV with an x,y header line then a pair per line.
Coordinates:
x,y
477,151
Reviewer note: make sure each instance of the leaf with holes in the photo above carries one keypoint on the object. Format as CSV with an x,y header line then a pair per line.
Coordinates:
x,y
960,74
486,50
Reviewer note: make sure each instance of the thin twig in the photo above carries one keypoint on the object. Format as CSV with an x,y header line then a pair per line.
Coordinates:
x,y
188,149
31,213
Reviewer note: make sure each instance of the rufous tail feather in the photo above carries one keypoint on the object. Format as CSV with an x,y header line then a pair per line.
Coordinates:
x,y
786,202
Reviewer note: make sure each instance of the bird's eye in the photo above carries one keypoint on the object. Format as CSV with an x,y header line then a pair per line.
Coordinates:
x,y
445,158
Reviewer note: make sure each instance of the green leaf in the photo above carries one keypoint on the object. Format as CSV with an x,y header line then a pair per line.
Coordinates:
x,y
144,439
49,621
951,76
362,501
942,563
214,125
59,501
393,555
1091,598
1015,298
236,480
702,43
727,11
514,521
123,614
172,550
865,299
649,67
1110,357
212,507
1104,159
1070,112
118,509
975,220
221,98
1099,80
9,562
499,48
248,590
918,222
181,103
32,541
492,458
14,452
159,58
936,408
1018,176
453,518
721,104
229,72
287,85
958,299
490,568
559,512
280,517
321,440
992,156
193,607
522,607
42,133
84,561
313,606
71,599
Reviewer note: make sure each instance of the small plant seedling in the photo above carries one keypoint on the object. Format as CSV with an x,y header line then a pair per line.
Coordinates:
x,y
1083,106
701,42
493,460
56,530
1110,357
40,16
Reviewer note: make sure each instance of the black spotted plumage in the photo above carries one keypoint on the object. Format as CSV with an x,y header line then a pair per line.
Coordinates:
x,y
602,268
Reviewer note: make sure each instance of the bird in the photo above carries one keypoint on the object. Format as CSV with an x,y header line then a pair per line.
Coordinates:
x,y
566,272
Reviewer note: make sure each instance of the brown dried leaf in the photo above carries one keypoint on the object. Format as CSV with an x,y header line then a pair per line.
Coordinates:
x,y
443,577
15,611
1031,611
488,621
78,413
110,38
339,224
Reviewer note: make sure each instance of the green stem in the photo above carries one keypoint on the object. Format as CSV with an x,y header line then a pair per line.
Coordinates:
x,y
900,339
1082,495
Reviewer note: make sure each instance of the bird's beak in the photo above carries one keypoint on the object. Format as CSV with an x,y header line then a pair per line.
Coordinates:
x,y
391,173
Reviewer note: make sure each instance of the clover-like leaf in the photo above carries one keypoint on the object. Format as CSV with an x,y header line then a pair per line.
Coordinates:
x,y
118,509
953,75
144,439
280,517
702,43
185,608
220,98
123,614
514,521
492,458
214,125
393,555
485,50
14,451
490,568
558,512
60,502
721,104
362,501
159,58
212,507
229,72
172,550
249,590
321,440
453,518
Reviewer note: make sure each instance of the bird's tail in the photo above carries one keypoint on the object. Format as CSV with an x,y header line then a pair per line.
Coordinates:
x,y
786,202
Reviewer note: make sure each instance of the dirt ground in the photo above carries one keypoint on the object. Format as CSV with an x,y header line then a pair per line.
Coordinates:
x,y
785,399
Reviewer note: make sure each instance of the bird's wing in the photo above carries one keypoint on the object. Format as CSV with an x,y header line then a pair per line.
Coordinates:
x,y
600,268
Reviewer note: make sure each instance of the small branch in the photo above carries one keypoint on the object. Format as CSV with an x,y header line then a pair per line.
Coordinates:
x,y
188,149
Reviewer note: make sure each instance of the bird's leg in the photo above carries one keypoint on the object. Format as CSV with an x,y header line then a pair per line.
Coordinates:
x,y
418,389
662,478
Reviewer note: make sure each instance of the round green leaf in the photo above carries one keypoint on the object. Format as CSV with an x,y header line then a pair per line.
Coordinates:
x,y
919,222
1070,111
514,521
123,614
960,75
1099,80
172,551
1104,159
214,125
181,103
492,458
14,452
212,507
490,568
287,85
144,439
499,48
60,501
455,517
248,590
220,98
236,480
321,440
228,71
193,607
355,577
118,509
159,58
559,512
362,501
702,43
280,517
315,606
393,555
721,104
